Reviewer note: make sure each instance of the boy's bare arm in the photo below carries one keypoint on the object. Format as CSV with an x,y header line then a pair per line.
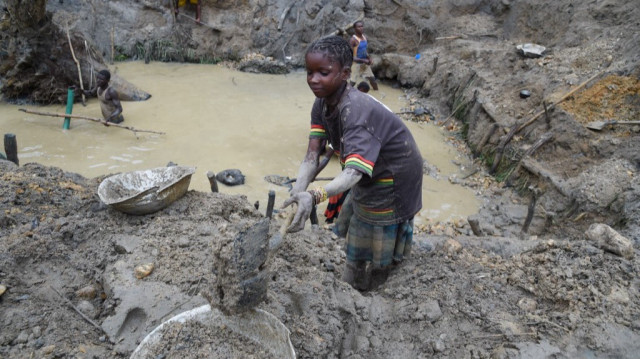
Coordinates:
x,y
308,167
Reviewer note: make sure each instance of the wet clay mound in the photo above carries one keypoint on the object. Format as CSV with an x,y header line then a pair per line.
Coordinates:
x,y
452,298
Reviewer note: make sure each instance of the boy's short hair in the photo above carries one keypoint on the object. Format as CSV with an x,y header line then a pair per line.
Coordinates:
x,y
358,22
106,74
363,86
335,47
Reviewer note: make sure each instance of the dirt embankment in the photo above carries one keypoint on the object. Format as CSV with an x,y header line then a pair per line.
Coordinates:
x,y
487,291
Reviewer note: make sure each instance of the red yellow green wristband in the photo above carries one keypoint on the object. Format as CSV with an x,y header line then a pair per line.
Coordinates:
x,y
318,195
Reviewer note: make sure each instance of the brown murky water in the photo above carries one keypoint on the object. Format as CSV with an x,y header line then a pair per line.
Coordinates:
x,y
215,119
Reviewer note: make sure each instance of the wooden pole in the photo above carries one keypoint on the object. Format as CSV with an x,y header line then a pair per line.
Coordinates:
x,y
272,200
567,95
73,54
11,148
212,181
113,46
530,211
108,124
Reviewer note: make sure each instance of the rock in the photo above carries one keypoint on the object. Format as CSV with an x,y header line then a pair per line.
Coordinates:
x,y
429,310
143,270
527,304
531,50
3,288
88,292
610,240
87,308
451,246
22,338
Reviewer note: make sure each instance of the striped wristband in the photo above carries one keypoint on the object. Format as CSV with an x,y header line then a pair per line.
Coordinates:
x,y
318,195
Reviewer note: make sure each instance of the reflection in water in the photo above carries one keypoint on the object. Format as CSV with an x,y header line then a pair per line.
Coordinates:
x,y
215,119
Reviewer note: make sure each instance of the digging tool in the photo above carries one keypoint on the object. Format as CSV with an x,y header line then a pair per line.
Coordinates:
x,y
599,125
286,181
276,240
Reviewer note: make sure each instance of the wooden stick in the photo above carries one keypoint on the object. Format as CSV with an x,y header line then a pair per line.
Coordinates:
x,y
270,203
113,46
134,130
567,95
546,114
546,137
11,148
487,136
516,128
212,181
199,23
537,169
284,15
73,54
78,310
500,149
450,37
530,211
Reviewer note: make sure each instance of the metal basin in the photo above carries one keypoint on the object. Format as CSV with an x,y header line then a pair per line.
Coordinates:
x,y
144,192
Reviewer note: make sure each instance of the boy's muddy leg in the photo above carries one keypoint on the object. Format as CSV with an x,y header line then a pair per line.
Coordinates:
x,y
355,273
379,276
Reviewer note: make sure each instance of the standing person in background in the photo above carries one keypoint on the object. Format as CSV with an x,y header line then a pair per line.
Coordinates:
x,y
109,101
382,167
361,67
181,3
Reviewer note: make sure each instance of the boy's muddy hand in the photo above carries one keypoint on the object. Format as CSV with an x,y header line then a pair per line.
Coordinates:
x,y
305,203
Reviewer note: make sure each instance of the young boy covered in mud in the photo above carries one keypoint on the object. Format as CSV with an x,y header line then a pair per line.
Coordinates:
x,y
109,101
382,167
335,202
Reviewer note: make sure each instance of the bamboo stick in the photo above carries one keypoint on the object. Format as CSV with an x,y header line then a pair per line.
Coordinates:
x,y
113,45
73,54
134,130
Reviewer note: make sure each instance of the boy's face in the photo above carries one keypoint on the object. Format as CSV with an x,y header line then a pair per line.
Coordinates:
x,y
324,76
359,28
101,81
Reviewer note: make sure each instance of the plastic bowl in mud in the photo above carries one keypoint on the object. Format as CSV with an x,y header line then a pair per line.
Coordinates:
x,y
144,192
205,332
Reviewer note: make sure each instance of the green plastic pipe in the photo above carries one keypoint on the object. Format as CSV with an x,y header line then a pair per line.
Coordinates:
x,y
67,120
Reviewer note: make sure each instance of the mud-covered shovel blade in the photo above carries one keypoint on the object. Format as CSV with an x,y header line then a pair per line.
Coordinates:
x,y
597,125
277,239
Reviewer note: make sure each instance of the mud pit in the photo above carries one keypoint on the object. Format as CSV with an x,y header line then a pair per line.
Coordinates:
x,y
552,292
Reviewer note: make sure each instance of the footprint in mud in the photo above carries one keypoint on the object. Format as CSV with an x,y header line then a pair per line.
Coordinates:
x,y
133,324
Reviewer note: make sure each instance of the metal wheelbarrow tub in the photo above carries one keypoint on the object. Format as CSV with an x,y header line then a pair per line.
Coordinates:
x,y
147,191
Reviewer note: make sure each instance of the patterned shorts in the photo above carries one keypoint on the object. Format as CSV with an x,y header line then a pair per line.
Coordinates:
x,y
380,245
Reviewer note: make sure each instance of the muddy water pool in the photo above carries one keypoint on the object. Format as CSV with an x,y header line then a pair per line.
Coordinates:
x,y
216,118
